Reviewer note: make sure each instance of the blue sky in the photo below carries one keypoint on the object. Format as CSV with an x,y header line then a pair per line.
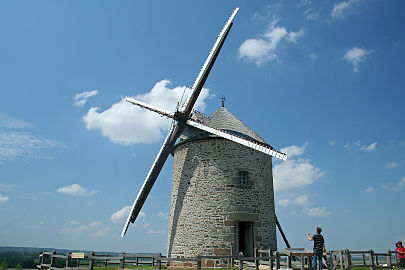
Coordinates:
x,y
321,80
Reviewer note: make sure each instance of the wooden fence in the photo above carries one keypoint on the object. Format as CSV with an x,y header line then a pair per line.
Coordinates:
x,y
355,259
87,261
265,259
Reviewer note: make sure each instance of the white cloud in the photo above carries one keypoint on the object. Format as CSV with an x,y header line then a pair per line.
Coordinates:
x,y
298,201
311,14
391,165
163,215
81,98
332,143
95,229
3,199
400,184
316,212
120,215
9,122
126,124
313,56
5,187
75,190
294,150
355,56
342,9
369,189
295,172
151,231
18,144
369,148
261,50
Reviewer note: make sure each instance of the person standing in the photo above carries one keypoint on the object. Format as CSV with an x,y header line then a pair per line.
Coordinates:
x,y
319,247
401,255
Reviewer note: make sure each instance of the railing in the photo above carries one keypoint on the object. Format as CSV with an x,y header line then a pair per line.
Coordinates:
x,y
87,261
356,259
343,259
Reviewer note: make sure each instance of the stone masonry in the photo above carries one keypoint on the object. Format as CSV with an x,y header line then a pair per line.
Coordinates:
x,y
208,200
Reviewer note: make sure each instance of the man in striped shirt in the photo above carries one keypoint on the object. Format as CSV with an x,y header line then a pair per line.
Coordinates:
x,y
319,247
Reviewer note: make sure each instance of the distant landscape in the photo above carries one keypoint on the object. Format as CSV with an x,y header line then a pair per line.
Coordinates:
x,y
28,257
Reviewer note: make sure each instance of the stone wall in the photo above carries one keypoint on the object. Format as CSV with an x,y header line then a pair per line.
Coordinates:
x,y
208,201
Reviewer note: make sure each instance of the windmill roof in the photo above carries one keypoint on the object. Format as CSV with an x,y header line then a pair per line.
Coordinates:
x,y
224,120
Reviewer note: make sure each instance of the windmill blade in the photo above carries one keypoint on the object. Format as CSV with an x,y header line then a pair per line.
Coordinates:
x,y
206,68
150,107
249,143
154,171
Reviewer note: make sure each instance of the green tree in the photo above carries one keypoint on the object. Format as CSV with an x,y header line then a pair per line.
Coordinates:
x,y
19,266
4,264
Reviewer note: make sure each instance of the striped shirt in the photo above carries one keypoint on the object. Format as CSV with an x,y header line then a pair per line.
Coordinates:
x,y
318,241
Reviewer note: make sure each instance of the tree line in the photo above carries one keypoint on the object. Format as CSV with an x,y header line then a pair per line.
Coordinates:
x,y
18,260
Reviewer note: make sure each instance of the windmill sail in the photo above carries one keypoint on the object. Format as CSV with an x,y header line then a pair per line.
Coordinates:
x,y
249,143
175,131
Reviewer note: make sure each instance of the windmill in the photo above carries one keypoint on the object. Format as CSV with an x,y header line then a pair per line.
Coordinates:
x,y
186,119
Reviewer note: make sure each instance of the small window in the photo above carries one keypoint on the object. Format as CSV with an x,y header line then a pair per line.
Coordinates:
x,y
243,177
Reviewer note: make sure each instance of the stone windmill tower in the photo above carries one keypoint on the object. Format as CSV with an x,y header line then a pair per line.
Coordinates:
x,y
222,190
222,200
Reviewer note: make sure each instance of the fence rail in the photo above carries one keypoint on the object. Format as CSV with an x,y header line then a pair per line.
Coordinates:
x,y
265,259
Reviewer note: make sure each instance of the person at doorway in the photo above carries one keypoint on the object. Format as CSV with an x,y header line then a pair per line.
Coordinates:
x,y
319,247
401,255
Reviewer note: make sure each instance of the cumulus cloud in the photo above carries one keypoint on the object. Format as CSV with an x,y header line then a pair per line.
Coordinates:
x,y
95,229
316,212
295,172
332,143
369,189
264,48
342,9
75,190
3,199
400,184
369,148
355,56
120,215
126,124
81,98
302,200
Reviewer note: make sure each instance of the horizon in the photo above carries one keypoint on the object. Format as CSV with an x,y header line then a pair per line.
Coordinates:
x,y
321,81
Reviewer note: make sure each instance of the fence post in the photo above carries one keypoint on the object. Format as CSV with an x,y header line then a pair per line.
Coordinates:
x,y
329,260
389,263
91,260
271,264
371,259
41,259
256,259
341,259
240,260
122,260
159,261
289,261
348,259
198,258
53,259
302,262
277,260
67,260
137,260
